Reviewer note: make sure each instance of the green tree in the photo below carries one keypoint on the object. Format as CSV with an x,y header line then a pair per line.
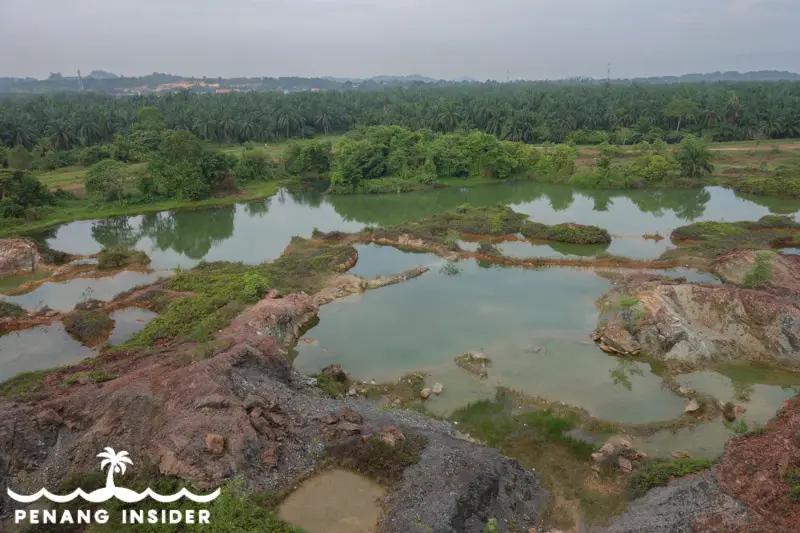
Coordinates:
x,y
253,165
681,109
19,192
107,180
694,157
19,157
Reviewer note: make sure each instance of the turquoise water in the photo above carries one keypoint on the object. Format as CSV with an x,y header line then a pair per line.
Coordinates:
x,y
534,324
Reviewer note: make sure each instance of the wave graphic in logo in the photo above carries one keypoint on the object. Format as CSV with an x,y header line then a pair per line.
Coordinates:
x,y
116,463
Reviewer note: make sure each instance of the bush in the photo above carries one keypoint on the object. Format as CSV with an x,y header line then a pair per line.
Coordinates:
x,y
694,157
659,473
760,273
107,180
120,258
308,156
94,154
566,233
21,194
88,327
253,165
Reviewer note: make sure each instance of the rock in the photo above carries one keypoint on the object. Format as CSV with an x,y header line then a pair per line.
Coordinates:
x,y
616,339
212,401
694,324
739,410
692,407
425,393
685,391
351,416
438,388
680,455
268,455
391,435
19,256
616,452
729,411
352,392
330,418
475,362
784,271
340,431
335,371
215,443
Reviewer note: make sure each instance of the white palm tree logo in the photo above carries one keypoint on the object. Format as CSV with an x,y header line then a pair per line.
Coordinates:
x,y
116,464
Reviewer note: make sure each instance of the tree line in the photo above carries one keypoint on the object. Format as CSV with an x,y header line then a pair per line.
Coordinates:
x,y
530,113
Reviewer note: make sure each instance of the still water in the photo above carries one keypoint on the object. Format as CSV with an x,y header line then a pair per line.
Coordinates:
x,y
259,231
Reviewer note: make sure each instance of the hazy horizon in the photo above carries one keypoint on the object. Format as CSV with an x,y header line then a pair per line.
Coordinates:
x,y
533,39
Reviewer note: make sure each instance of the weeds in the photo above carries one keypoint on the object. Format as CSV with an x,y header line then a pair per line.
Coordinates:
x,y
761,271
376,459
7,309
626,302
659,473
88,327
793,479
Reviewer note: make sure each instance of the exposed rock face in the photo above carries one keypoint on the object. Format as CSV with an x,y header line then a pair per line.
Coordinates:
x,y
243,413
615,339
18,256
784,271
696,323
348,284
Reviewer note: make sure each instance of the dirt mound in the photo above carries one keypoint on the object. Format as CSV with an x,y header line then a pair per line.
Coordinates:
x,y
763,469
18,256
696,323
772,272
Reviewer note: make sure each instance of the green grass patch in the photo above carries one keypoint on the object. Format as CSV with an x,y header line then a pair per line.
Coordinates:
x,y
793,479
24,386
626,302
8,309
659,473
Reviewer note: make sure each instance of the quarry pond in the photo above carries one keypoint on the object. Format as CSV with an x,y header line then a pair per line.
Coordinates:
x,y
534,324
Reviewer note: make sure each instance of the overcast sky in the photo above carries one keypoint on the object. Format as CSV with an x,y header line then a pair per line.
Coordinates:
x,y
534,39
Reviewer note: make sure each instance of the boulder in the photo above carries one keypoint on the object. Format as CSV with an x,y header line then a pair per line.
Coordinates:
x,y
616,339
18,256
336,372
475,362
215,443
616,453
425,393
692,407
437,389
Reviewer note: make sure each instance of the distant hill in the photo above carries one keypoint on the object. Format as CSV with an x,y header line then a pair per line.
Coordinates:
x,y
102,75
101,81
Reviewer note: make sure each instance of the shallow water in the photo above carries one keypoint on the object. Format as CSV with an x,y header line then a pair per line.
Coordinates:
x,y
336,501
128,322
259,231
534,324
759,389
37,349
63,296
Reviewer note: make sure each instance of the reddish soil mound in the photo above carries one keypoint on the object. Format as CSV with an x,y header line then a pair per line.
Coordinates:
x,y
754,470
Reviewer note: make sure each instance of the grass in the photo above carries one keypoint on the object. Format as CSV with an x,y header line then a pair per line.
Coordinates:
x,y
75,175
659,473
85,209
24,386
221,290
538,440
626,302
234,511
793,479
8,309
376,459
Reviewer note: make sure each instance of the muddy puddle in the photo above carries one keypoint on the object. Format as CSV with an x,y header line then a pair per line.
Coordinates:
x,y
336,501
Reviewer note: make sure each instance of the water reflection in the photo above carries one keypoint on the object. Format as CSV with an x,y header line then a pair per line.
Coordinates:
x,y
259,231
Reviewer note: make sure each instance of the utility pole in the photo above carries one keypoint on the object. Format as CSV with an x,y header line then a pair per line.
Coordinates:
x,y
80,81
508,75
608,76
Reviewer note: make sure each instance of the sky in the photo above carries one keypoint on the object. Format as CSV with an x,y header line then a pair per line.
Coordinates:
x,y
483,39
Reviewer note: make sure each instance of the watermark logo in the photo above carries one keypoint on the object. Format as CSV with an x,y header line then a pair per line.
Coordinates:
x,y
116,463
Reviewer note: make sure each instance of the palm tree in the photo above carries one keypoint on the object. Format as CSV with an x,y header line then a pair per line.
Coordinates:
x,y
116,464
60,133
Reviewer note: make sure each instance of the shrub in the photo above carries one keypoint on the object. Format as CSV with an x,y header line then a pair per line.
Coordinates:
x,y
253,165
694,157
376,459
119,258
761,271
567,233
107,180
88,327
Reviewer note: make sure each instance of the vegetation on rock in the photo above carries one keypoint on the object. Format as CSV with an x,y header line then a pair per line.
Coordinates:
x,y
658,473
567,233
88,327
8,309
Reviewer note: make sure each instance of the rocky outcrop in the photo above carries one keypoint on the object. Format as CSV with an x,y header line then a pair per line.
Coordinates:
x,y
782,271
696,323
345,285
18,256
240,412
475,362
